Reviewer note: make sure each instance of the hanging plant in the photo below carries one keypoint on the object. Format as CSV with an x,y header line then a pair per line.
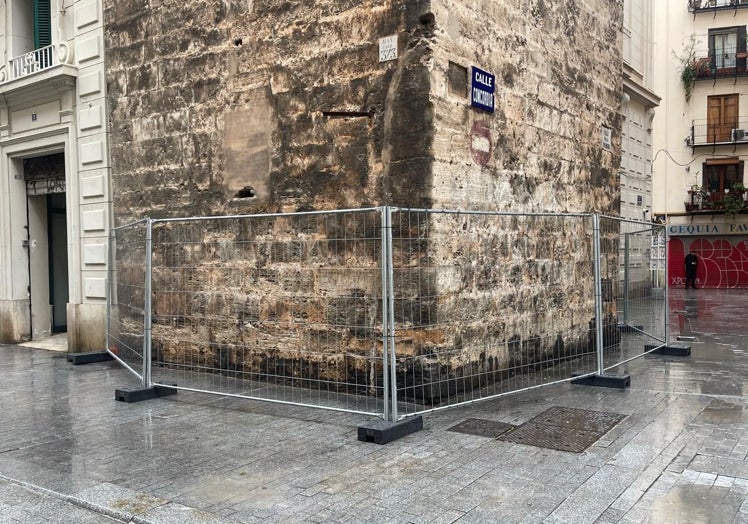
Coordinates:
x,y
733,204
689,66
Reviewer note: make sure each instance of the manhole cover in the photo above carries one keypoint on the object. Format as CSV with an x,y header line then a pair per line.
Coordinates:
x,y
564,429
482,428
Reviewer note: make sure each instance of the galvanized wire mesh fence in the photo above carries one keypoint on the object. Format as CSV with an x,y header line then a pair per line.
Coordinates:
x,y
381,311
489,303
128,248
630,261
276,307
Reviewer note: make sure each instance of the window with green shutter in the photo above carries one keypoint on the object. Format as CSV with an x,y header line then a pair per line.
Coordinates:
x,y
42,23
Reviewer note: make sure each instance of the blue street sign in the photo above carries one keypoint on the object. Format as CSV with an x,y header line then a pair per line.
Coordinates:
x,y
482,89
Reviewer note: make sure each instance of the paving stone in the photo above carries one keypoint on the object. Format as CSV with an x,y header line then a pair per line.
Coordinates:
x,y
208,458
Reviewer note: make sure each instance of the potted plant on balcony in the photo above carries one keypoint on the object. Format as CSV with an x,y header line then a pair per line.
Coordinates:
x,y
733,204
698,196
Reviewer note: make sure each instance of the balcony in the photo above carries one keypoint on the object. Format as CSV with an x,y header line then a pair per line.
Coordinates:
x,y
729,202
723,133
722,63
698,6
44,68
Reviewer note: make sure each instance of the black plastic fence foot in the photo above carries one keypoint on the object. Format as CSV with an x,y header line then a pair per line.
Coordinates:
x,y
138,395
89,358
604,381
382,432
673,350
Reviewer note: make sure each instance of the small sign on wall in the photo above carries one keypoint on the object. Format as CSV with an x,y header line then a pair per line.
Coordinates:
x,y
388,48
606,138
482,89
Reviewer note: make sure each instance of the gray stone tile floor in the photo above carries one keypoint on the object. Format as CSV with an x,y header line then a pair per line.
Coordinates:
x,y
70,453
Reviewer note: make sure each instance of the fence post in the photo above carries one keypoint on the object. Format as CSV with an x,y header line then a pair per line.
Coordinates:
x,y
385,315
147,305
598,294
390,335
109,284
626,264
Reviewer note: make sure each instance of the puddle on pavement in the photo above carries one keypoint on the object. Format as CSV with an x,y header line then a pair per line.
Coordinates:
x,y
719,411
215,490
695,504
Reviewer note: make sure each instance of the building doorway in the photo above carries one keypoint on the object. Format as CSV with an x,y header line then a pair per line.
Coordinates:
x,y
47,243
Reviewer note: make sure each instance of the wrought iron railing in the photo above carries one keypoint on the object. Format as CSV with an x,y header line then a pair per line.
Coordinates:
x,y
720,132
31,62
711,5
719,63
731,201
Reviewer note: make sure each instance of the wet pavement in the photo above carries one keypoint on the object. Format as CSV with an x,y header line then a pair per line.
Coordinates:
x,y
70,453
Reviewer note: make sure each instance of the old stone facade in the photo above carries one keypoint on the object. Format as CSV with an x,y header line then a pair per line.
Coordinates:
x,y
233,107
291,100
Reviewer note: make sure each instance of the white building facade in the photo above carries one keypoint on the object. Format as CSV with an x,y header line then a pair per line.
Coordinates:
x,y
701,137
54,172
639,103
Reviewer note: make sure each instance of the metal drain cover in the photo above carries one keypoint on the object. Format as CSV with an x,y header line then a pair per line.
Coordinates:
x,y
564,429
482,428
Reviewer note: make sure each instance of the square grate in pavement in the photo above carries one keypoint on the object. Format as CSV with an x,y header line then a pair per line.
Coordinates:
x,y
564,429
482,427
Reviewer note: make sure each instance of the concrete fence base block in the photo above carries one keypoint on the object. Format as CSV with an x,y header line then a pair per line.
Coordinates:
x,y
138,395
673,350
89,358
382,432
605,380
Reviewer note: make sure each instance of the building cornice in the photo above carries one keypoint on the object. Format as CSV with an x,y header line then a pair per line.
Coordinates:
x,y
640,93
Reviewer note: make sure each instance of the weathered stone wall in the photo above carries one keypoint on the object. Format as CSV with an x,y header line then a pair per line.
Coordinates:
x,y
558,82
233,107
284,100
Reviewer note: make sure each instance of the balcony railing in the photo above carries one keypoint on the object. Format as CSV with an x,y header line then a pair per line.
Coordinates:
x,y
30,63
720,63
723,132
730,201
712,5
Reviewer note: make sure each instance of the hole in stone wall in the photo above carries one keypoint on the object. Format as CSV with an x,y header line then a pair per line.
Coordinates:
x,y
246,192
237,42
348,114
427,19
457,78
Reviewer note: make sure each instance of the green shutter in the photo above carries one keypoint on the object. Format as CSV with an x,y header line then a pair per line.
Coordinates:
x,y
42,24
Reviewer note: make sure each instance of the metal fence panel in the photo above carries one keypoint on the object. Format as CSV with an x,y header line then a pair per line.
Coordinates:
x,y
285,308
127,295
488,304
392,312
632,267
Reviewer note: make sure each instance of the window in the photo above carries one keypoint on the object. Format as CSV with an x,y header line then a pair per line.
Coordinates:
x,y
42,24
722,117
721,175
724,46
